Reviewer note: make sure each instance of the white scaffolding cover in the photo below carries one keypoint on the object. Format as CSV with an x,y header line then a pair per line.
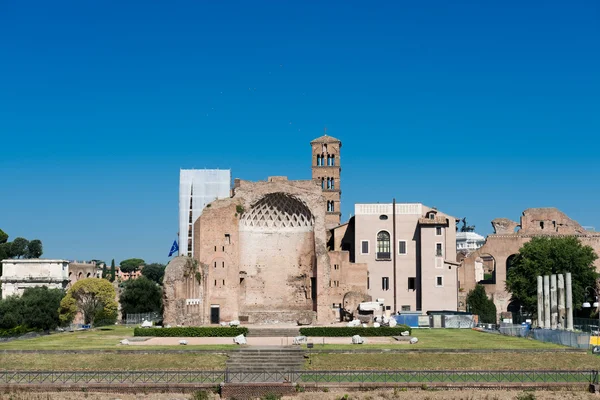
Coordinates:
x,y
200,187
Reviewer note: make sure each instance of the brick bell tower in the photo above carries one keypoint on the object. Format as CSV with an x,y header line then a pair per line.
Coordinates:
x,y
326,171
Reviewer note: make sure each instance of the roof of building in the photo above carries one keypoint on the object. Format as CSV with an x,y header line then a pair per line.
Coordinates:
x,y
468,236
33,260
326,139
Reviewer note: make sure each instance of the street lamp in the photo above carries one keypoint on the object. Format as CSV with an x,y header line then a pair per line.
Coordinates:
x,y
595,305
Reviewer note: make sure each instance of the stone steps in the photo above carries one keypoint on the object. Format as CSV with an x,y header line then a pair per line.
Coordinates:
x,y
274,359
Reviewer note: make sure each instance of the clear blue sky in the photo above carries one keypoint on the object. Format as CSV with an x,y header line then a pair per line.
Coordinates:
x,y
479,108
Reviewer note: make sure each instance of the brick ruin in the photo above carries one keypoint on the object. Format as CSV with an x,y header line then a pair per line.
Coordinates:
x,y
261,256
494,258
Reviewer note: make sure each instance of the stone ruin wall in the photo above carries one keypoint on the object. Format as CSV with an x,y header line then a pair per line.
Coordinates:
x,y
508,239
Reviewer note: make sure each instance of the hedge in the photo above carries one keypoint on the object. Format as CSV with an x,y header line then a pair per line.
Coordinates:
x,y
351,331
196,331
16,331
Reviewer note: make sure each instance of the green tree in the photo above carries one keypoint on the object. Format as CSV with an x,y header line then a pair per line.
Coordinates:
x,y
140,296
3,237
131,264
105,272
547,256
11,312
154,272
40,307
113,270
18,247
94,298
479,304
34,249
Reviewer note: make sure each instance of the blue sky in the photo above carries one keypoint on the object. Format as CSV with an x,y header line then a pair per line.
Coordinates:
x,y
482,109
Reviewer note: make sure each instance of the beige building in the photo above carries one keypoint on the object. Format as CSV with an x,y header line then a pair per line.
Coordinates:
x,y
20,274
410,251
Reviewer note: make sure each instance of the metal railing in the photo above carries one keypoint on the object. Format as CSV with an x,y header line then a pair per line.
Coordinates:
x,y
308,377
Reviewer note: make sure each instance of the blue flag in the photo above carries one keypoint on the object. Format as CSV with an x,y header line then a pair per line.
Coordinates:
x,y
174,248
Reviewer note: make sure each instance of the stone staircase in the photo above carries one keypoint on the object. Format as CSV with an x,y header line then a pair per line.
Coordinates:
x,y
266,359
273,332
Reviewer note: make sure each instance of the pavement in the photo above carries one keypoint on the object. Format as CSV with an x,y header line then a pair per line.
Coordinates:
x,y
259,341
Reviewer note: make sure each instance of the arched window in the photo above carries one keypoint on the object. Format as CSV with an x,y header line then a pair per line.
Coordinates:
x,y
322,183
332,160
383,245
332,184
332,209
318,160
328,183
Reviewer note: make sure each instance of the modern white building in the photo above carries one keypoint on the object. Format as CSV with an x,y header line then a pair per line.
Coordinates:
x,y
468,242
19,274
197,188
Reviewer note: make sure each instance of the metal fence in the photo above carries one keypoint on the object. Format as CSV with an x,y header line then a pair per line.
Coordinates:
x,y
515,330
586,325
308,377
136,319
459,321
580,340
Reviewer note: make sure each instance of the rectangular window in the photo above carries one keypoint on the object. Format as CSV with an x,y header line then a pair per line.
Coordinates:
x,y
368,283
402,247
385,283
364,247
223,264
388,307
412,283
438,250
227,238
405,308
439,281
438,231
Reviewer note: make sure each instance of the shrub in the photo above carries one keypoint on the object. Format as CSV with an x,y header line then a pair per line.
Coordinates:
x,y
194,331
351,331
16,331
200,395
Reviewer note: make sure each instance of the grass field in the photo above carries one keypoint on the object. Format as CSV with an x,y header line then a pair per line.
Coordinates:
x,y
108,339
111,362
442,361
97,339
453,339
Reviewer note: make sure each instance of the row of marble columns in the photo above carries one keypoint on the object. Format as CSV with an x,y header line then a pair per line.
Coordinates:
x,y
555,301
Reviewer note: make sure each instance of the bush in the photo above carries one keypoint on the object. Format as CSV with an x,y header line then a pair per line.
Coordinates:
x,y
195,331
16,331
351,331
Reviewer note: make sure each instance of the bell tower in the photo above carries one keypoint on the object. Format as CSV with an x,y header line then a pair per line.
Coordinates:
x,y
326,171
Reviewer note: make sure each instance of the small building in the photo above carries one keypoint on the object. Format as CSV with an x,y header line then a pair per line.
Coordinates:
x,y
20,274
468,242
410,253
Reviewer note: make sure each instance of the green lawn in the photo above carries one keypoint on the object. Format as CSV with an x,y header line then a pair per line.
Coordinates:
x,y
450,339
450,361
111,362
95,339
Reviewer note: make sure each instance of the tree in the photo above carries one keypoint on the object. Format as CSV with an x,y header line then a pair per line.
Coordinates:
x,y
154,272
94,298
113,270
105,272
18,247
131,264
11,312
481,305
40,307
547,256
141,296
3,237
34,249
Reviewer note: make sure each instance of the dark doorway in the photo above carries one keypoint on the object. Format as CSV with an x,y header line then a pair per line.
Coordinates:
x,y
215,316
313,292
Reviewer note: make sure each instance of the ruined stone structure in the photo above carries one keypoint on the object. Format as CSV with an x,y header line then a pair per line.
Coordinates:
x,y
261,256
495,256
326,171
